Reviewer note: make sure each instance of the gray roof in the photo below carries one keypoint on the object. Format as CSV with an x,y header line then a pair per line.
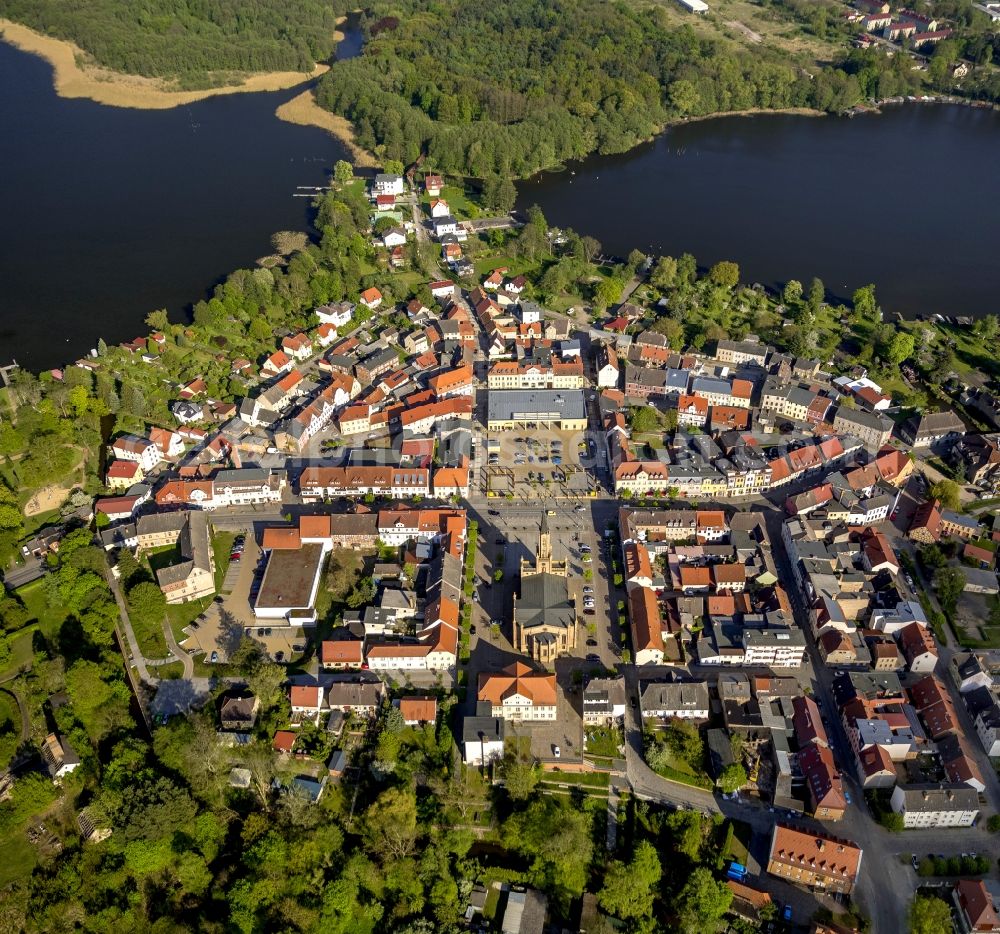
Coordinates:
x,y
683,695
677,379
712,385
863,419
511,404
544,601
195,548
935,423
492,729
604,693
763,637
945,797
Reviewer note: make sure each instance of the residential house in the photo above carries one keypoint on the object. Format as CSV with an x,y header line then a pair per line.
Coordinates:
x,y
386,184
976,907
418,710
141,451
607,366
931,429
919,648
935,805
123,474
519,693
342,653
871,428
604,700
483,736
238,711
813,859
826,790
372,297
683,700
59,756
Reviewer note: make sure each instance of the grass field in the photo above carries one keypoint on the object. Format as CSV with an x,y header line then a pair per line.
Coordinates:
x,y
603,741
18,857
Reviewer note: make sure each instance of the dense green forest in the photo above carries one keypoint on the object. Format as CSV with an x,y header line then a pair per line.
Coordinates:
x,y
509,88
190,40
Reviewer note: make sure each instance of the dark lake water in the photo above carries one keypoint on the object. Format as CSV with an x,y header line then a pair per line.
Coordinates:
x,y
108,213
909,200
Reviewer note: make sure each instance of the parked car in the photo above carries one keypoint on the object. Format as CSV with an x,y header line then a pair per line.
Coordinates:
x,y
591,643
593,658
556,751
588,589
214,657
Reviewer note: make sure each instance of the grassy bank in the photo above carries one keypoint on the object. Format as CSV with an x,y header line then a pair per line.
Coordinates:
x,y
73,77
303,110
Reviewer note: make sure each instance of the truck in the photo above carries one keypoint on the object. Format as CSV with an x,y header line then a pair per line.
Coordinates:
x,y
736,871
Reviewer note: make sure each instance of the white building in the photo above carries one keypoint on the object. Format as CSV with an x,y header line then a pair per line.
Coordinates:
x,y
686,700
776,648
141,451
388,185
482,737
936,805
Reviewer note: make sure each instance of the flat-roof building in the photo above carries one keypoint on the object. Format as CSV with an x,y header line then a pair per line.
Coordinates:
x,y
291,581
517,408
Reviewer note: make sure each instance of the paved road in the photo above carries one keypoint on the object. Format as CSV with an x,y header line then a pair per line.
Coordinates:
x,y
137,659
176,650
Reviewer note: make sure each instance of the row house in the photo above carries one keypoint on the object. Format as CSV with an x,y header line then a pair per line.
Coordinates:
x,y
557,374
248,486
318,483
692,411
735,392
644,382
607,367
457,382
742,352
399,526
422,418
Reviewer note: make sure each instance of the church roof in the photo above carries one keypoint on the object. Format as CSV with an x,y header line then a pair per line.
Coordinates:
x,y
544,601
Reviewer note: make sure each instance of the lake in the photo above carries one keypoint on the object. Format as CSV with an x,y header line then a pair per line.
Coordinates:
x,y
108,213
909,200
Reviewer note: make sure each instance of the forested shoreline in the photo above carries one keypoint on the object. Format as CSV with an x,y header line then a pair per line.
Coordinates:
x,y
575,77
197,43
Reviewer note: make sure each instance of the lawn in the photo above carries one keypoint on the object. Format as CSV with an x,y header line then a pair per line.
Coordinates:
x,y
515,265
585,779
170,671
222,548
149,635
739,843
604,741
20,651
462,201
18,857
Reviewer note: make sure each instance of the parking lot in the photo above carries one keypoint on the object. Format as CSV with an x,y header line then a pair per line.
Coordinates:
x,y
540,447
540,463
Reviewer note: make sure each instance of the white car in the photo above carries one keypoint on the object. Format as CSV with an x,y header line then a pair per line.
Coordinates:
x,y
588,589
556,751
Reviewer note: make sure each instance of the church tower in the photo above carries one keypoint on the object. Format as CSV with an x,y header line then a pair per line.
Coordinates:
x,y
543,559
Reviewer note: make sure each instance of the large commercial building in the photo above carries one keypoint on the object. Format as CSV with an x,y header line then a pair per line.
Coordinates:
x,y
514,408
